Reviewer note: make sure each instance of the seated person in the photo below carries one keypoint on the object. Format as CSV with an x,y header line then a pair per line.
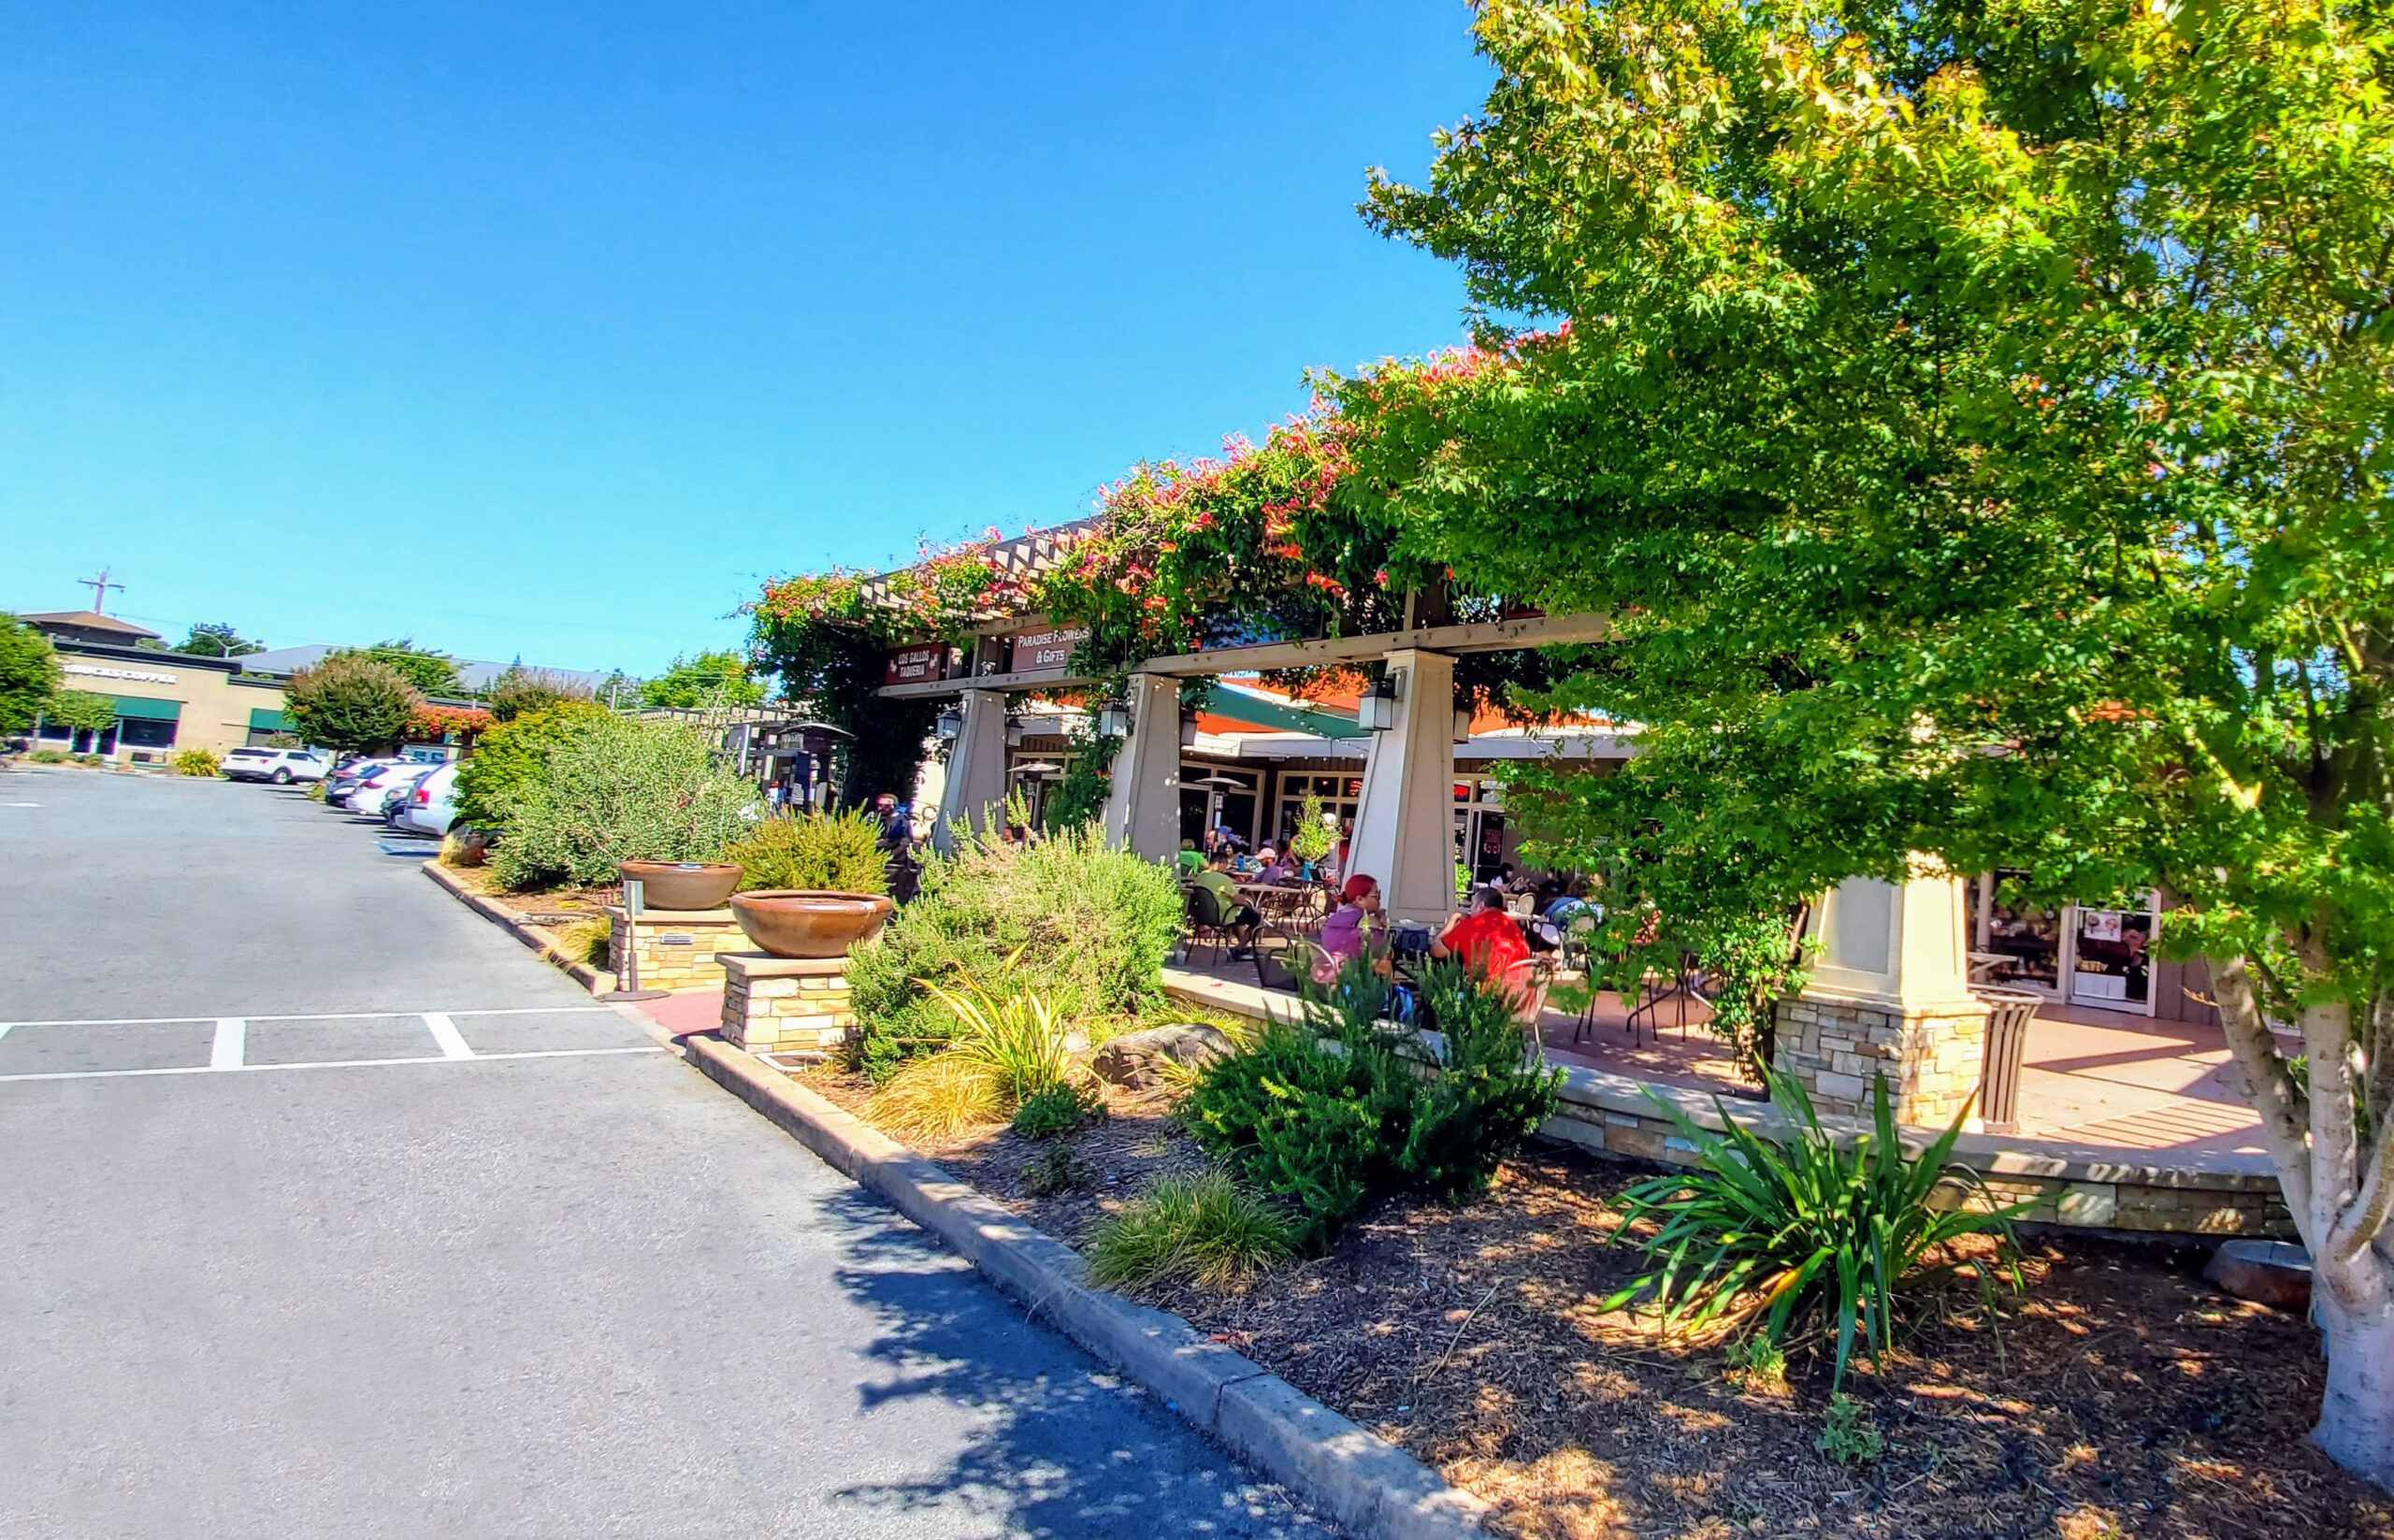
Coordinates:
x,y
1277,868
1486,938
1237,913
1191,860
1354,927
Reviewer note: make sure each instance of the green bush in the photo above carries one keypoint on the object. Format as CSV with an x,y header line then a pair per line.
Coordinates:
x,y
1057,1111
508,755
1084,927
1813,1227
833,853
615,789
1205,1229
198,762
49,756
1847,1435
1326,1112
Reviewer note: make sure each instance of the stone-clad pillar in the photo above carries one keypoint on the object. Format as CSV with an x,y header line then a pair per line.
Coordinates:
x,y
1889,994
976,768
1143,796
1405,830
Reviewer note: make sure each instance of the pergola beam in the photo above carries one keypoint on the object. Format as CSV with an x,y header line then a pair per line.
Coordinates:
x,y
1485,636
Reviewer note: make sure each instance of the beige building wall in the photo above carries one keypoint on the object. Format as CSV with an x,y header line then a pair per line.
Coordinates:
x,y
217,709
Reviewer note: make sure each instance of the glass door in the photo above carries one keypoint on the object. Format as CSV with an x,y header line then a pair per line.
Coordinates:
x,y
2018,947
2111,958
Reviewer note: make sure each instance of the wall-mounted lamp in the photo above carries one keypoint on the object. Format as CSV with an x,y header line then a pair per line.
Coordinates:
x,y
951,725
1462,723
1377,711
1189,732
1114,720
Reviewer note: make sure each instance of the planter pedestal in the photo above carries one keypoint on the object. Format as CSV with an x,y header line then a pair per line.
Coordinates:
x,y
677,946
778,1004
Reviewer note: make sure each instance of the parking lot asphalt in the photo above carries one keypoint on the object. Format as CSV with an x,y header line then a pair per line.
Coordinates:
x,y
332,1212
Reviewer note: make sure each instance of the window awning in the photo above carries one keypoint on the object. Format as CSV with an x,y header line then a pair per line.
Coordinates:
x,y
141,708
262,720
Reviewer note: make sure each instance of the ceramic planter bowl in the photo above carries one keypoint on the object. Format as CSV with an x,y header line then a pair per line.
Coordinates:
x,y
682,884
791,922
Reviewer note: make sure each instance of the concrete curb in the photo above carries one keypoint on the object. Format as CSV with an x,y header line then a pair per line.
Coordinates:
x,y
1376,1491
540,940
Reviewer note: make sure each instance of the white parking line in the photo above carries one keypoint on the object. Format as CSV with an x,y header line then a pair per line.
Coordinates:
x,y
323,1015
232,1041
444,1033
321,1064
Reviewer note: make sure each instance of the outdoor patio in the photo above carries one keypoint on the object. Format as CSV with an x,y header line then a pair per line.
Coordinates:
x,y
2096,1078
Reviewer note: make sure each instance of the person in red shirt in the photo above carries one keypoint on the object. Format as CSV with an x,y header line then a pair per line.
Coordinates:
x,y
1486,938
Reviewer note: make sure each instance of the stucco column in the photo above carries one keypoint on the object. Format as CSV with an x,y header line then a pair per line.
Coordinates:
x,y
1405,830
1143,796
1889,994
976,768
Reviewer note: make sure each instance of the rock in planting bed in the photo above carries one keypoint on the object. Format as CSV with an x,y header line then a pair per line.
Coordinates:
x,y
2120,1396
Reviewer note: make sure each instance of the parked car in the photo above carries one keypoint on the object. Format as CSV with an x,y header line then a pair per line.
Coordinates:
x,y
431,805
350,775
402,793
280,766
368,797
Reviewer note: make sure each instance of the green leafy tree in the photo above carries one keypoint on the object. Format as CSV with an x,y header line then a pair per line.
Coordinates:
x,y
350,703
425,672
28,673
522,690
78,711
1974,417
704,679
217,638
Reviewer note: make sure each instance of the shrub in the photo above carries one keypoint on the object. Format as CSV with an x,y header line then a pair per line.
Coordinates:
x,y
1057,1111
1328,1111
521,691
838,854
49,756
587,941
509,755
1084,927
199,762
615,789
1205,1229
1809,1228
1017,1034
1058,1170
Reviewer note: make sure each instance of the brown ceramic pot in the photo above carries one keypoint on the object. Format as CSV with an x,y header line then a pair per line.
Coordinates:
x,y
682,884
791,922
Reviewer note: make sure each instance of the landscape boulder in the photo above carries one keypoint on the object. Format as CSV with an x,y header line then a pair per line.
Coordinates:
x,y
1138,1062
2268,1273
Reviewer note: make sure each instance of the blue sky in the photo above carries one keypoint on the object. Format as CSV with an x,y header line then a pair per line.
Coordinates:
x,y
549,331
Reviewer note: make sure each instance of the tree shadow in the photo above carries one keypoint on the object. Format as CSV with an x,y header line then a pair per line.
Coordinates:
x,y
1058,1446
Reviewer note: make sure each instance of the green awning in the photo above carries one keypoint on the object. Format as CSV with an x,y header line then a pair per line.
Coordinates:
x,y
144,709
262,720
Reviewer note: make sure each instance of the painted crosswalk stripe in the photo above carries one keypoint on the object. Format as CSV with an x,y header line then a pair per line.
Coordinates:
x,y
317,1064
232,1041
444,1033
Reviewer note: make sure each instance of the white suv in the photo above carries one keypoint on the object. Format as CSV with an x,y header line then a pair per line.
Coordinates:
x,y
280,766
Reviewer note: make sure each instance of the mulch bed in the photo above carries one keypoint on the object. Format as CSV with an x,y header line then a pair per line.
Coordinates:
x,y
2121,1395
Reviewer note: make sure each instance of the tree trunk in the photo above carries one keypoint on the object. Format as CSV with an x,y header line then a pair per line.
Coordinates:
x,y
2357,1415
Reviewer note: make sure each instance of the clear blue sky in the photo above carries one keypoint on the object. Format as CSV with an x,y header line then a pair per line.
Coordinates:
x,y
549,330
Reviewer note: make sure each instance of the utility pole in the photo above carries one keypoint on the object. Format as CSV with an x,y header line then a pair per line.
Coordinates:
x,y
99,587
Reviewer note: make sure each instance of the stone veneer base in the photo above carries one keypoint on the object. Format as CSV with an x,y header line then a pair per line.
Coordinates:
x,y
783,1004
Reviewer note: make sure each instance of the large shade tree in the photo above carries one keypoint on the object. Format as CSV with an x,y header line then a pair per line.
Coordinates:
x,y
1975,416
352,703
29,670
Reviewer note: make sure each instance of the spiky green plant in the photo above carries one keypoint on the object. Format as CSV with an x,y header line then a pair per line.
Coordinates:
x,y
1206,1229
1817,1225
1018,1035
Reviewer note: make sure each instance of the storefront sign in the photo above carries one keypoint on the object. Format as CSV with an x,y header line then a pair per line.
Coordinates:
x,y
913,665
1050,648
141,674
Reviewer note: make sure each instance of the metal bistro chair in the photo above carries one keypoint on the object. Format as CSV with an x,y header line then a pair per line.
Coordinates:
x,y
1207,923
1284,959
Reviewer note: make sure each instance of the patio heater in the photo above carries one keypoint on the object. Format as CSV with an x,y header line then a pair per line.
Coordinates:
x,y
1213,784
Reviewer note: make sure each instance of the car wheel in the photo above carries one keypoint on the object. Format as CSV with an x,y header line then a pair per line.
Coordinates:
x,y
281,777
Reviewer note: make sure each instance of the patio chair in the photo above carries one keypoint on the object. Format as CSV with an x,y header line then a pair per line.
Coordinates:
x,y
1207,925
1284,959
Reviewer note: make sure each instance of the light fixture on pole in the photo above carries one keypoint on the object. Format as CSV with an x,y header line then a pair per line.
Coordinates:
x,y
1377,711
951,725
1114,720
